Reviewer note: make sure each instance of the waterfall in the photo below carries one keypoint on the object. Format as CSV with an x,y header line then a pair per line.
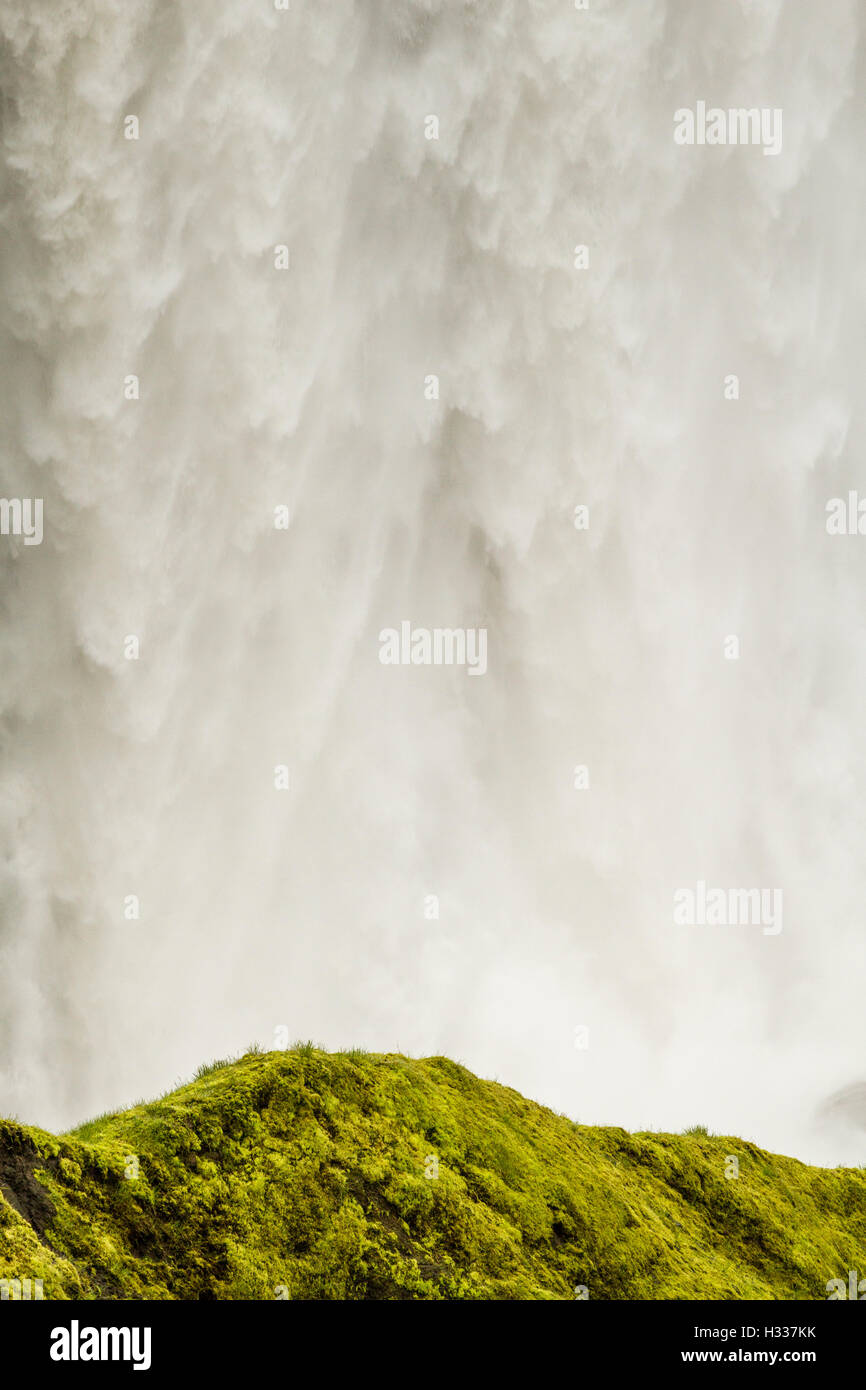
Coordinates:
x,y
324,320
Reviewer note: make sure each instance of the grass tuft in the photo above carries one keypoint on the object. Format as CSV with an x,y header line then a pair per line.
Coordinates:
x,y
207,1068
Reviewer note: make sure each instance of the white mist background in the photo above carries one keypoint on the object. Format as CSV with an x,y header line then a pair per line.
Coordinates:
x,y
259,647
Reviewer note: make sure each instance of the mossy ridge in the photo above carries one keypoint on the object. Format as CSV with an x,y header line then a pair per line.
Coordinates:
x,y
302,1174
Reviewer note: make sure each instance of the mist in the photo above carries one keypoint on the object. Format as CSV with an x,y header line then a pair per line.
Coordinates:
x,y
289,364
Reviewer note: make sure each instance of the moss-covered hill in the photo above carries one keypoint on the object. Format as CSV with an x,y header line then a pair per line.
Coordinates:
x,y
302,1174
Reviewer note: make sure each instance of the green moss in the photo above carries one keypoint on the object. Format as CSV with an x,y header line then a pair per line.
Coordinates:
x,y
307,1175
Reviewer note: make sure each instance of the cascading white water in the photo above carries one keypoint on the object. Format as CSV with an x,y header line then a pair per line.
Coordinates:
x,y
411,257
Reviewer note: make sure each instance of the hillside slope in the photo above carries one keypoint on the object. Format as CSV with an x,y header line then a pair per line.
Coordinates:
x,y
303,1174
